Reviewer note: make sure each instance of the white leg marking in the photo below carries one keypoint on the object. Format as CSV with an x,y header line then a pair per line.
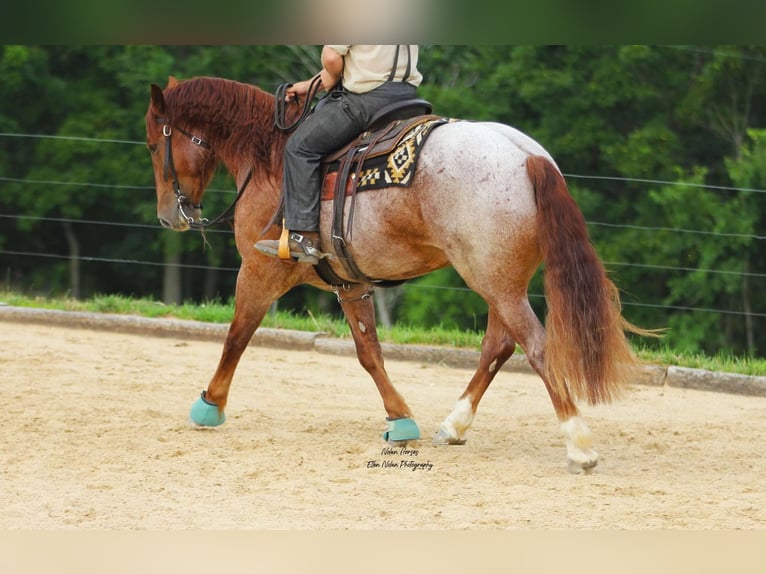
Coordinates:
x,y
579,445
456,424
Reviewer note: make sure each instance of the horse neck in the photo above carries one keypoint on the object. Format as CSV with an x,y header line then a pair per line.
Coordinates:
x,y
237,122
245,137
245,140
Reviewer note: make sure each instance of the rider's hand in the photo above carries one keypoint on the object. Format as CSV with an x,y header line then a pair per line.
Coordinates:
x,y
296,90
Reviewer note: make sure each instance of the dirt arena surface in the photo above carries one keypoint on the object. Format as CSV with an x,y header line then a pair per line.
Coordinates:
x,y
95,435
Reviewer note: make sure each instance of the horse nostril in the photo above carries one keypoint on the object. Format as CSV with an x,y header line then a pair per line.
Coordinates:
x,y
165,223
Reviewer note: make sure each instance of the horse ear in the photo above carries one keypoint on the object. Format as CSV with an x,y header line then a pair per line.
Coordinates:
x,y
172,82
158,100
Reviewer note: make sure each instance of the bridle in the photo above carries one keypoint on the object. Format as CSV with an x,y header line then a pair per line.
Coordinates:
x,y
169,169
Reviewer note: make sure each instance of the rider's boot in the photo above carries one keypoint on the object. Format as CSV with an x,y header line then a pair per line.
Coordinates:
x,y
300,246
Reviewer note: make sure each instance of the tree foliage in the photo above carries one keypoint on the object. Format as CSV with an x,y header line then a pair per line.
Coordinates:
x,y
664,149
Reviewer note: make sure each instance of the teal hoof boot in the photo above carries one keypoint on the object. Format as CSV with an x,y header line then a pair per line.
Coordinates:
x,y
206,414
401,430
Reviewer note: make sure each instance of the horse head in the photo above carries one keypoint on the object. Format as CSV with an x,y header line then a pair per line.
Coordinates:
x,y
183,161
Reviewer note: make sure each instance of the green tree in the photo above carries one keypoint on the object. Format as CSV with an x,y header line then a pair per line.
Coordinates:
x,y
748,171
654,141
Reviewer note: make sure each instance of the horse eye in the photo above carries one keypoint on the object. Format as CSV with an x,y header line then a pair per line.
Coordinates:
x,y
152,148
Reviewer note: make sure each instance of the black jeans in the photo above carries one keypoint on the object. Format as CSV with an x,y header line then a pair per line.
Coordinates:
x,y
336,120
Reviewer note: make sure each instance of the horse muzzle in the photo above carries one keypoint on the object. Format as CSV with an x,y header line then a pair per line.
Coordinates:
x,y
183,215
178,223
165,223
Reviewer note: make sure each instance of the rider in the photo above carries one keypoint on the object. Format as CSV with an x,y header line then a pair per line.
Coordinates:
x,y
360,79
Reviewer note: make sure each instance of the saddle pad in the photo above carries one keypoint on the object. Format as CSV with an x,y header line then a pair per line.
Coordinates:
x,y
394,169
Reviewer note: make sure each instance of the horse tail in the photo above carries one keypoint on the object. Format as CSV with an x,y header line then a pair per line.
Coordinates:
x,y
586,351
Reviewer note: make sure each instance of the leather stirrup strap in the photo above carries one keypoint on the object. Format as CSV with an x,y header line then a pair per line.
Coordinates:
x,y
284,243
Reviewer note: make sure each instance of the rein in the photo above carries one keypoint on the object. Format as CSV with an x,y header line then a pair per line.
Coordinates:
x,y
280,111
170,169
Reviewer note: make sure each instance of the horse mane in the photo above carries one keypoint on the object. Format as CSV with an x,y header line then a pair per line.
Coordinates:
x,y
238,117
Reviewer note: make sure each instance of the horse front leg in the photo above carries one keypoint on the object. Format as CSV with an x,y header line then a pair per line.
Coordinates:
x,y
359,310
497,346
251,304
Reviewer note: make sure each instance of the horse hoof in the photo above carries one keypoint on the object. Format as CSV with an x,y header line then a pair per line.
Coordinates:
x,y
401,430
581,467
206,414
443,437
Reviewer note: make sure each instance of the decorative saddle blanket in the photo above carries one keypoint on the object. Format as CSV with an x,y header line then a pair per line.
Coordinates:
x,y
378,159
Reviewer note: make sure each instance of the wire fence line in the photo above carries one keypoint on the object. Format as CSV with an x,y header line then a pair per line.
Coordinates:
x,y
566,175
231,232
228,231
147,188
678,230
69,138
88,258
98,222
233,192
406,285
664,182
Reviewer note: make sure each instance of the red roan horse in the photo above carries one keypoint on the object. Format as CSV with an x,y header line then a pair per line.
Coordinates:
x,y
486,199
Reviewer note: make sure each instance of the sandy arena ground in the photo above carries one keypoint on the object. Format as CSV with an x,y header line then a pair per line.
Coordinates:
x,y
95,436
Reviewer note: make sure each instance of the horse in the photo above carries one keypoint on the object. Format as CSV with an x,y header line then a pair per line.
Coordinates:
x,y
486,199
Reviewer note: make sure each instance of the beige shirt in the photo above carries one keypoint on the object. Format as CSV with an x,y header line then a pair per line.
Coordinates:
x,y
368,66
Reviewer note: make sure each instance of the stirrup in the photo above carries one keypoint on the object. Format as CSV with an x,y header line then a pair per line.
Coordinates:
x,y
307,254
283,251
291,246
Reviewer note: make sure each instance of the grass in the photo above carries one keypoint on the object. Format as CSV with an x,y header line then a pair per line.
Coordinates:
x,y
220,312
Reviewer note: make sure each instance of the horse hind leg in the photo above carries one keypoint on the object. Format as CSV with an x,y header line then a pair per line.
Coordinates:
x,y
531,337
579,442
359,310
496,348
